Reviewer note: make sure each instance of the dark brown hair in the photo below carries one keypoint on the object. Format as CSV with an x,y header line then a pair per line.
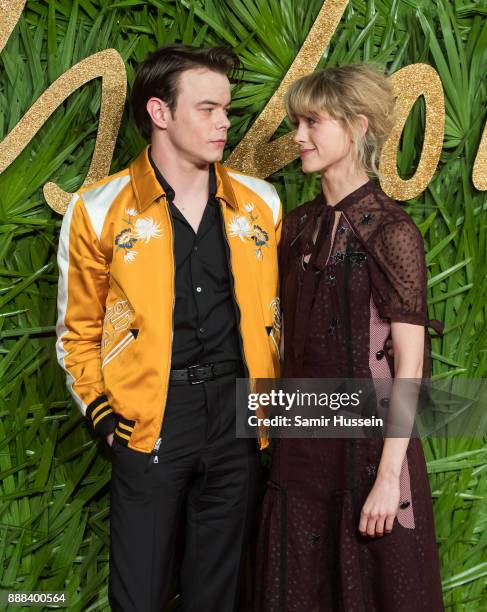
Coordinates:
x,y
157,76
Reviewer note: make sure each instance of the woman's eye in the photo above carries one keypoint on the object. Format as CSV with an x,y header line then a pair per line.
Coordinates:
x,y
310,120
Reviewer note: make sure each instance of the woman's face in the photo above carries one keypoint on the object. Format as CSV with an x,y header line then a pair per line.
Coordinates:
x,y
324,143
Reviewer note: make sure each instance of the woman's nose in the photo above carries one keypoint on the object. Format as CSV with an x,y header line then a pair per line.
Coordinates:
x,y
299,135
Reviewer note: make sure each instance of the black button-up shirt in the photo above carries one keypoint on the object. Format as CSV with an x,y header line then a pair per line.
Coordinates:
x,y
205,321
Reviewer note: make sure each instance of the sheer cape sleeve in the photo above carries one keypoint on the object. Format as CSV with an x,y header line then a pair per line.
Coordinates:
x,y
398,271
396,258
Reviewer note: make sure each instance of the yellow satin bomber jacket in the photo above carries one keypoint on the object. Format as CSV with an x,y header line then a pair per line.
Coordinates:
x,y
116,293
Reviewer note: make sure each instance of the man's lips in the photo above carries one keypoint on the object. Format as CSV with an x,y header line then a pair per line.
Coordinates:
x,y
219,143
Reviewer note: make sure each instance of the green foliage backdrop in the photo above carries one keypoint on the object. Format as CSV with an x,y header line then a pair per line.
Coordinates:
x,y
54,528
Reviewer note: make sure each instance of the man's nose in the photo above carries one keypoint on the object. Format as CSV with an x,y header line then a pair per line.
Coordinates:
x,y
223,121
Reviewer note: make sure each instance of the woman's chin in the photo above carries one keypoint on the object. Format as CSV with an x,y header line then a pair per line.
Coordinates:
x,y
310,168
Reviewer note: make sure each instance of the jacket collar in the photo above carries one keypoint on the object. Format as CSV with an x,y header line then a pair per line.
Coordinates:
x,y
224,189
148,188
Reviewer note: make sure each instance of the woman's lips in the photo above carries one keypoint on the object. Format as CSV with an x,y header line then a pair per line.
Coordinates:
x,y
304,152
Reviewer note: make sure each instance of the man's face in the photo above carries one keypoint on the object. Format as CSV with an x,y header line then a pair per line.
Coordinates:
x,y
197,129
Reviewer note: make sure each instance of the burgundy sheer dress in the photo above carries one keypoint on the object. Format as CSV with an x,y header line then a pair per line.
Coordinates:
x,y
337,311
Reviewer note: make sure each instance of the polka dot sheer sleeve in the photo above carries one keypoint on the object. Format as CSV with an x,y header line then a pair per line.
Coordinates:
x,y
399,272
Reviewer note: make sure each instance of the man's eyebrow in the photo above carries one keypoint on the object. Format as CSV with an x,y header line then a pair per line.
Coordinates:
x,y
213,103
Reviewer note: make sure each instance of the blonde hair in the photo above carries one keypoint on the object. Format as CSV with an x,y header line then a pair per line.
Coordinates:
x,y
344,93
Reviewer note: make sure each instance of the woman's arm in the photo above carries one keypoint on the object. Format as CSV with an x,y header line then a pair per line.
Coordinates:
x,y
380,508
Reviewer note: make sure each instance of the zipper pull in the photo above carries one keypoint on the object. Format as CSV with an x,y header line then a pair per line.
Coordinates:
x,y
153,458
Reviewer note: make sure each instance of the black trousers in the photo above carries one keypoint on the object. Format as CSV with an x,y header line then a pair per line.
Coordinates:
x,y
206,478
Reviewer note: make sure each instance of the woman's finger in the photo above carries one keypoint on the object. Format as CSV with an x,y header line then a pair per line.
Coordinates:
x,y
371,526
362,526
389,523
379,526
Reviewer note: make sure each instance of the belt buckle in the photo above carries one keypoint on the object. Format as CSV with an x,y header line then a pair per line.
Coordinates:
x,y
192,376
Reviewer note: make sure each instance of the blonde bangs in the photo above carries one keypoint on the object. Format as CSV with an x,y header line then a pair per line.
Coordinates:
x,y
306,97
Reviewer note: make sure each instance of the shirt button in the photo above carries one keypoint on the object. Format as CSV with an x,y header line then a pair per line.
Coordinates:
x,y
379,354
202,330
198,289
195,248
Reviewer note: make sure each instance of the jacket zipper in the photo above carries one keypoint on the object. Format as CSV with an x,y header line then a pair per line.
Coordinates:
x,y
153,457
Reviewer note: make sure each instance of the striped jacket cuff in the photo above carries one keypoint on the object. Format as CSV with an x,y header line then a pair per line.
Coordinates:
x,y
101,416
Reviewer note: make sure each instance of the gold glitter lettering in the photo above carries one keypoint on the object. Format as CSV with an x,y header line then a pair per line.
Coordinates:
x,y
109,65
479,174
10,11
410,83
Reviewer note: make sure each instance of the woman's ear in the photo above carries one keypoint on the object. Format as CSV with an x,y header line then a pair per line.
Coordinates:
x,y
158,112
363,123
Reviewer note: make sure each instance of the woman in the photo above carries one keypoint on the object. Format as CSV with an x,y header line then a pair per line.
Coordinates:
x,y
347,525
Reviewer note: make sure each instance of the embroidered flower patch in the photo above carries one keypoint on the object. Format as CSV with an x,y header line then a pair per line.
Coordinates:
x,y
239,227
146,228
246,228
141,230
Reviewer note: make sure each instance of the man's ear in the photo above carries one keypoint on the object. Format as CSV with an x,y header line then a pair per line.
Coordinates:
x,y
159,112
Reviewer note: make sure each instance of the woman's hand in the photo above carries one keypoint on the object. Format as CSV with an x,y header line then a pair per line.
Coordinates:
x,y
381,506
109,439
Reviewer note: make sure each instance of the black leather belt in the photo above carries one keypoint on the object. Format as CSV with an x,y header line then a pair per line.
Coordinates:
x,y
195,374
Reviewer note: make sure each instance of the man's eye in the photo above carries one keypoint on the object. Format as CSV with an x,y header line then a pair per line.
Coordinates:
x,y
207,110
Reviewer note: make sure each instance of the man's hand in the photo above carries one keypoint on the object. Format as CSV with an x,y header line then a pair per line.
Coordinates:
x,y
109,439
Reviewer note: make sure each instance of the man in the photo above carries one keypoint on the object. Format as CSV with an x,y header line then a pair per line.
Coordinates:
x,y
167,294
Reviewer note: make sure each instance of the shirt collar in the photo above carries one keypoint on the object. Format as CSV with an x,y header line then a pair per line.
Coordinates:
x,y
149,184
169,191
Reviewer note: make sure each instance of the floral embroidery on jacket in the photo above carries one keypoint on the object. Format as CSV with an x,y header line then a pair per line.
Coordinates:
x,y
142,230
240,228
246,228
147,228
125,239
261,238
